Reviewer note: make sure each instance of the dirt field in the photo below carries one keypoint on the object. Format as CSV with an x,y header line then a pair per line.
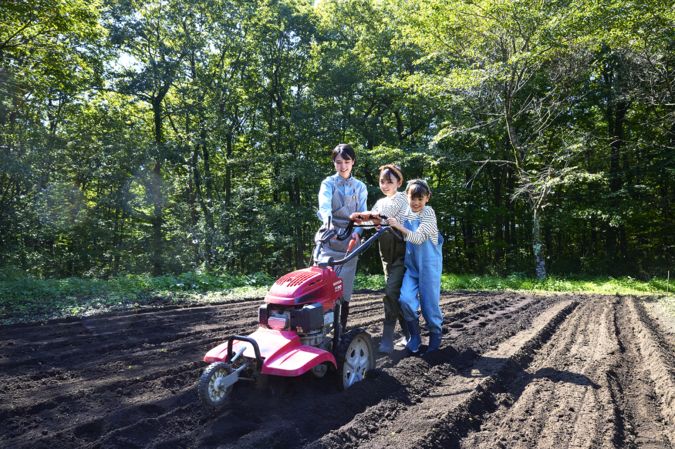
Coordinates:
x,y
515,371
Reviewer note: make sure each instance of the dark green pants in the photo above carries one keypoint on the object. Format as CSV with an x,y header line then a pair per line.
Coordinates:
x,y
392,253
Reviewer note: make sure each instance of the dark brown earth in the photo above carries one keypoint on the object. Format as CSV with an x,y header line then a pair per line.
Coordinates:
x,y
515,371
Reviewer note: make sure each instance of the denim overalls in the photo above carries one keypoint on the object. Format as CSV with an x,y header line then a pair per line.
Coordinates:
x,y
422,280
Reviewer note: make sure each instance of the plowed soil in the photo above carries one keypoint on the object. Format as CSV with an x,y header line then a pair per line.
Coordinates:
x,y
514,371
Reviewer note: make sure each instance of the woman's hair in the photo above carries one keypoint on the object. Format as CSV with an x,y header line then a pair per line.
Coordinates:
x,y
345,151
391,172
417,188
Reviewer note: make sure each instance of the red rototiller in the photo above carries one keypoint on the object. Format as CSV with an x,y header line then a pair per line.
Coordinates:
x,y
299,329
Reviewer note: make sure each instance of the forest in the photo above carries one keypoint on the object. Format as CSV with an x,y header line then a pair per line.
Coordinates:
x,y
167,136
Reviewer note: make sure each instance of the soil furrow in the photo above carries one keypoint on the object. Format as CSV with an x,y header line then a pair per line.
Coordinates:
x,y
105,406
562,398
443,412
647,381
515,371
51,332
27,359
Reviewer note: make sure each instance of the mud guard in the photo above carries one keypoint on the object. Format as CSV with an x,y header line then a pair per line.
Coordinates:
x,y
297,361
279,353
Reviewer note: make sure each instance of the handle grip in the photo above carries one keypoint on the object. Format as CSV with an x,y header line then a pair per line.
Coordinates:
x,y
351,245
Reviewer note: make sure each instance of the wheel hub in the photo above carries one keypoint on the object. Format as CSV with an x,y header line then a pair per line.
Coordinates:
x,y
218,383
217,389
357,362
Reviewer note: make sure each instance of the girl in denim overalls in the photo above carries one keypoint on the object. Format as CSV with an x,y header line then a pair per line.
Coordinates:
x,y
423,262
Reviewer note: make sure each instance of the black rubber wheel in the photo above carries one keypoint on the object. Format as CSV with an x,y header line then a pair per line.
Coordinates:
x,y
211,393
319,371
355,357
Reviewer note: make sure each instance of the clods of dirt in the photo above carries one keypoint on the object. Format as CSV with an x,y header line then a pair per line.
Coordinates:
x,y
514,371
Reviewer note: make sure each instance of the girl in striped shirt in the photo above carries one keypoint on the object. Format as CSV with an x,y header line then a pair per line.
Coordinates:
x,y
392,252
421,286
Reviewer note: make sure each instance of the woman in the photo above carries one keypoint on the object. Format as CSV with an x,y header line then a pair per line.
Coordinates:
x,y
341,195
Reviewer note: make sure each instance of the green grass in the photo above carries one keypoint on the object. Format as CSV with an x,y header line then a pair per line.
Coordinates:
x,y
30,299
599,285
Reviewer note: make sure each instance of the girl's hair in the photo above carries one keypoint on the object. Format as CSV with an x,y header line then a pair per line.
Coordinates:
x,y
418,188
391,172
345,150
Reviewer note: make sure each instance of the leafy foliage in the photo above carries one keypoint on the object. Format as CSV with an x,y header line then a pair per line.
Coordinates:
x,y
167,137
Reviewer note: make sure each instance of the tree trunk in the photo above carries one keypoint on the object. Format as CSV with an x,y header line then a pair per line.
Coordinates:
x,y
616,236
468,232
156,195
157,220
194,195
118,224
499,219
203,193
228,169
299,237
511,231
538,248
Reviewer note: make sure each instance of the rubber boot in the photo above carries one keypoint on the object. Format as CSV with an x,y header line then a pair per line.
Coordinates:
x,y
344,313
406,335
434,343
387,342
415,336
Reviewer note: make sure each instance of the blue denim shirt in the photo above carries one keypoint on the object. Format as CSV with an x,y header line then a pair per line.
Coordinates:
x,y
348,187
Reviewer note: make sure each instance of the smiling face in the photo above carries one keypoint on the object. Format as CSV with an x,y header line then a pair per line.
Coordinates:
x,y
389,184
343,166
417,202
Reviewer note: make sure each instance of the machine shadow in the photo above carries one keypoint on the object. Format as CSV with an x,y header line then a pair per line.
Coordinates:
x,y
304,407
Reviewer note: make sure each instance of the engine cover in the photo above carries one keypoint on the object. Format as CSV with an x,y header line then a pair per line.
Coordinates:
x,y
306,286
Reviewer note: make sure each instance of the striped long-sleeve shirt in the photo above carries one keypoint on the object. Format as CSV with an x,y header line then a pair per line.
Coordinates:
x,y
428,228
393,206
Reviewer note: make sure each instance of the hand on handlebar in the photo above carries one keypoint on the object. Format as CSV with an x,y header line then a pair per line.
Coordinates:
x,y
394,223
371,218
